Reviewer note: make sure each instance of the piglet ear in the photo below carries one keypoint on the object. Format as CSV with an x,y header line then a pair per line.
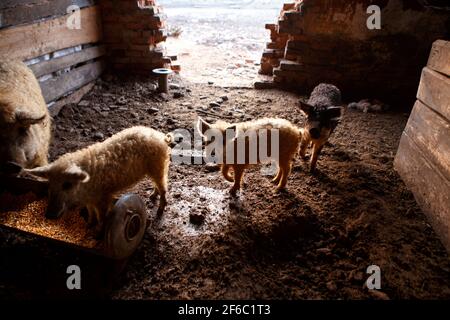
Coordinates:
x,y
75,173
334,112
202,126
41,172
306,108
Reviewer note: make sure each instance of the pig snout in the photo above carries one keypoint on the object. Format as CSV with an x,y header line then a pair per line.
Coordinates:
x,y
12,155
55,209
314,132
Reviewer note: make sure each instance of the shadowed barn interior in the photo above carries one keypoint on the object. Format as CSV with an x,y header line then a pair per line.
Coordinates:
x,y
372,190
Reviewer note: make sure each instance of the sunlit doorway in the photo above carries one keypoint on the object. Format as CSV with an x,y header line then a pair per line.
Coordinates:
x,y
219,41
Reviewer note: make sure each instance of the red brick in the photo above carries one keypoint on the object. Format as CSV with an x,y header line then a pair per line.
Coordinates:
x,y
131,32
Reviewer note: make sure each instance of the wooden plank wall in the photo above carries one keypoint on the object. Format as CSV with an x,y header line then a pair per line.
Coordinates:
x,y
14,13
66,61
423,157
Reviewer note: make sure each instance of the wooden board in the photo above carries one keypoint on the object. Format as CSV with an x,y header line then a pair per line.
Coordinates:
x,y
49,66
38,9
55,88
440,57
429,186
30,41
431,133
74,97
423,157
434,91
14,3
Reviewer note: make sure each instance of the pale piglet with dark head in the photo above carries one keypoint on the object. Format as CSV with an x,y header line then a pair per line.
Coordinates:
x,y
91,176
323,111
24,118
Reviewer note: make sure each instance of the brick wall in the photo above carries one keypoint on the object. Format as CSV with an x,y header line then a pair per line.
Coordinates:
x,y
328,41
275,48
133,31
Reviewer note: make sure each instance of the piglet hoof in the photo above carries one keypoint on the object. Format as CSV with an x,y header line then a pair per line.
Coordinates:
x,y
159,214
148,223
233,192
280,189
154,195
161,208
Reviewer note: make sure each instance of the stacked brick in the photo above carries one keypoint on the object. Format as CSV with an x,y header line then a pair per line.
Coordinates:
x,y
274,51
328,41
133,31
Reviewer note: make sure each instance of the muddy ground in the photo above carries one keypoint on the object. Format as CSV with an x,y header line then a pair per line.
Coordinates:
x,y
314,241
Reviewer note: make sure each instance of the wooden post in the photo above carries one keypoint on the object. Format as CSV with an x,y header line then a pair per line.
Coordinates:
x,y
423,157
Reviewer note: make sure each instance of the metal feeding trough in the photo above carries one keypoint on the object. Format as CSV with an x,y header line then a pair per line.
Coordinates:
x,y
124,226
163,79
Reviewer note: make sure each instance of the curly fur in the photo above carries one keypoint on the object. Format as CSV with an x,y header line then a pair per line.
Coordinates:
x,y
289,140
24,142
107,167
